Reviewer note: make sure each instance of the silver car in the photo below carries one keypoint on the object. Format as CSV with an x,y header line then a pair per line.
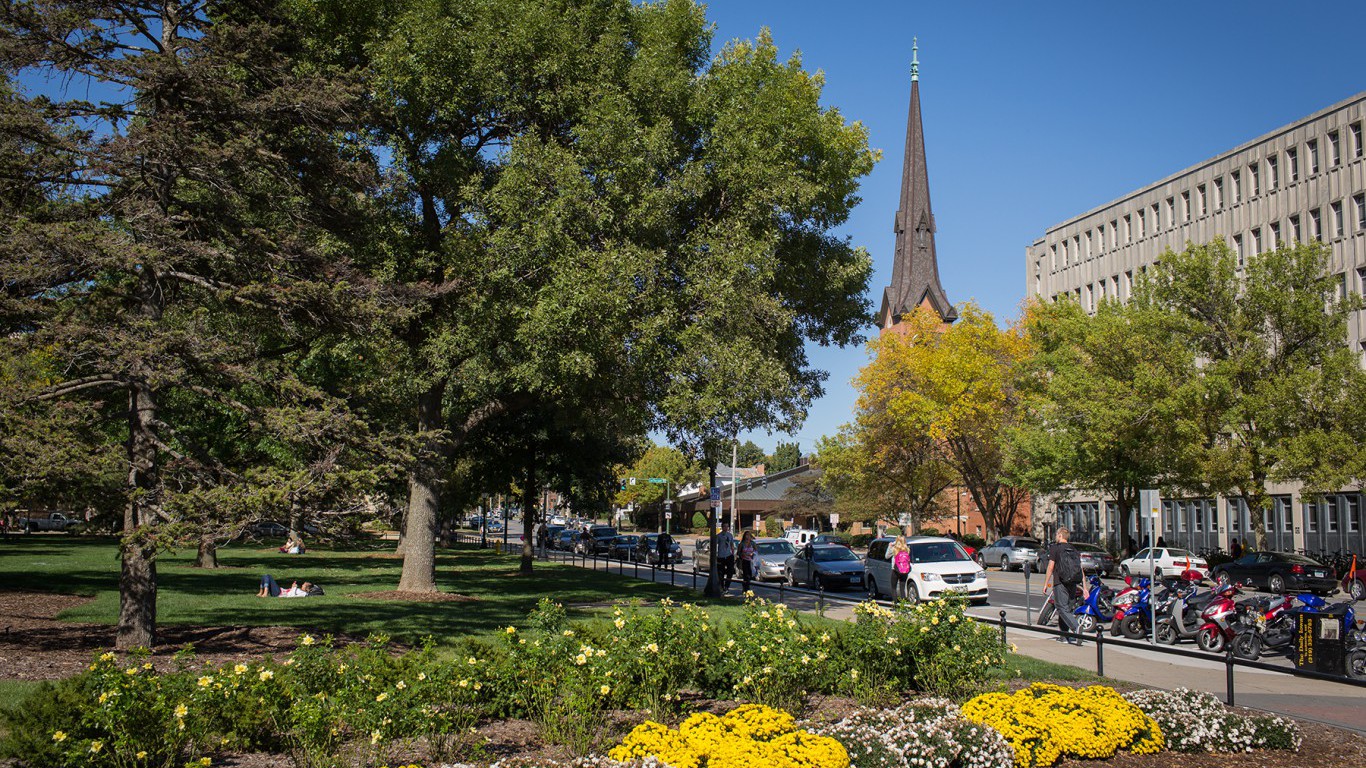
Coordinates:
x,y
1011,552
772,557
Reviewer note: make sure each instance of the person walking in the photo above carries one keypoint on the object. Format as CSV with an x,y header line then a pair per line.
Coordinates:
x,y
1235,549
748,553
901,566
725,557
1064,575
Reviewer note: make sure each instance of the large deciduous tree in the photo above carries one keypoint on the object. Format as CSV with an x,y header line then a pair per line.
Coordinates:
x,y
1274,366
1110,404
174,239
955,386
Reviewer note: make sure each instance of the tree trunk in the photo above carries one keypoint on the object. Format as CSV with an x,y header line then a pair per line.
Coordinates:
x,y
137,551
531,518
420,522
207,557
713,588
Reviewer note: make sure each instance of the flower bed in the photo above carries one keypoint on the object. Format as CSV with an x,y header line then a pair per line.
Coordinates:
x,y
1196,721
750,735
925,733
1045,722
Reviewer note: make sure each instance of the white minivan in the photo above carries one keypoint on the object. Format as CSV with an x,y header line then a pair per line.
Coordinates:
x,y
800,536
938,566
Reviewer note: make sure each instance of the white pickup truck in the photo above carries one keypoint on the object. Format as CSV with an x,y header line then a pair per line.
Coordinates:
x,y
52,521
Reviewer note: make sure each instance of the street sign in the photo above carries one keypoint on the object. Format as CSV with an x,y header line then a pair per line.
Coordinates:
x,y
633,481
834,518
656,480
716,494
668,515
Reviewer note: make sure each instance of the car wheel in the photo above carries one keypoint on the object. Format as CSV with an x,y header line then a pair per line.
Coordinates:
x,y
912,594
1356,665
792,579
872,588
1276,583
1357,590
1005,563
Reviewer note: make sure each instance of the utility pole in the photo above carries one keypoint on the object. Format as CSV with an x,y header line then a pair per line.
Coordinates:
x,y
734,457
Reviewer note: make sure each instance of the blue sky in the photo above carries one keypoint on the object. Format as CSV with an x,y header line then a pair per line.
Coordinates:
x,y
1035,112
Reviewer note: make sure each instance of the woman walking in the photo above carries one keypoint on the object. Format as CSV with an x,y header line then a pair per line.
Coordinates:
x,y
901,566
747,554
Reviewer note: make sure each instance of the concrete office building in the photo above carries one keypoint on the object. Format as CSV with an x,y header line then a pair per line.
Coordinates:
x,y
1305,181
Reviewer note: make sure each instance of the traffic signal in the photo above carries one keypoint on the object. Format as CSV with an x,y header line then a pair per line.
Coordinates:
x,y
765,481
623,484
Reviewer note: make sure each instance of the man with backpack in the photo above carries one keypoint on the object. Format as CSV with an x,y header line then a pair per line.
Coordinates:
x,y
1064,575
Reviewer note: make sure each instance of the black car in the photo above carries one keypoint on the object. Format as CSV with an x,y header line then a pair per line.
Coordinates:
x,y
624,547
832,566
648,552
552,534
598,541
567,540
1278,572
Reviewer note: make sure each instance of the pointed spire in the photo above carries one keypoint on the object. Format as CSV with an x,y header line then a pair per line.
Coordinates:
x,y
915,269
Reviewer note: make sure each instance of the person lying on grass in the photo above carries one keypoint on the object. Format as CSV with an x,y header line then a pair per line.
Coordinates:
x,y
269,588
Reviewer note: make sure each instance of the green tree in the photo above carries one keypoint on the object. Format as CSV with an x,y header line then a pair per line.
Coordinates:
x,y
1275,366
876,472
661,462
807,497
785,456
1109,402
749,455
169,249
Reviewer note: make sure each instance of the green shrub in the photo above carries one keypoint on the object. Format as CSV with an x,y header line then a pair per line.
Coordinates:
x,y
771,657
893,530
773,526
699,522
973,540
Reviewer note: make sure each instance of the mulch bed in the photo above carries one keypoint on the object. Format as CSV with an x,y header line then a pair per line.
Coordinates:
x,y
34,645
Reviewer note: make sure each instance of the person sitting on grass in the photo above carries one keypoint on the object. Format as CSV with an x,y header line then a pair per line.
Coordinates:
x,y
269,588
294,546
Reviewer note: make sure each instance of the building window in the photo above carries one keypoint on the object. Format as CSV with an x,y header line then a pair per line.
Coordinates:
x,y
1334,147
1361,280
1128,230
1353,513
1316,225
1142,224
1218,194
1238,248
1090,302
1236,179
1294,228
1185,206
1100,291
1088,244
1292,164
1053,256
1360,203
1256,240
1076,248
1340,286
1311,517
1128,285
1313,147
1337,218
1200,198
1330,509
1254,179
1357,149
1272,174
1114,233
1157,220
1275,234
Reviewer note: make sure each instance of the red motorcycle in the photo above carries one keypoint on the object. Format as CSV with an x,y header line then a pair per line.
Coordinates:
x,y
1220,619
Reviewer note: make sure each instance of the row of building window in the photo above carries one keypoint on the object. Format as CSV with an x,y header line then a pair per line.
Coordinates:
x,y
1257,240
1335,513
1178,209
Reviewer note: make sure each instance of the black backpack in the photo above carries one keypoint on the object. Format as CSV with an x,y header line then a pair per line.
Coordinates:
x,y
1067,568
314,590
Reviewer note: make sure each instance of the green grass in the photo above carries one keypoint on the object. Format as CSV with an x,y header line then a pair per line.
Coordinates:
x,y
13,692
1028,668
227,596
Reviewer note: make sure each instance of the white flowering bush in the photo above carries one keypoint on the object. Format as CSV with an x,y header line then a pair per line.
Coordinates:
x,y
1196,721
923,733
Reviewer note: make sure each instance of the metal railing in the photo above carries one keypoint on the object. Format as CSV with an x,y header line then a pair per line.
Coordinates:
x,y
1230,661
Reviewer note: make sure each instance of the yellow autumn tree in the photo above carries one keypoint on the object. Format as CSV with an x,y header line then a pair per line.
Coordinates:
x,y
952,388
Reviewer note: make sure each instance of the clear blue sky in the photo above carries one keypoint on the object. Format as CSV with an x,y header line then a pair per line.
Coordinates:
x,y
1035,112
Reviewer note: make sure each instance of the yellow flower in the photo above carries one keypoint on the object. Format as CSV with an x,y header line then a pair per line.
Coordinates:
x,y
147,665
568,633
205,682
205,761
400,685
511,630
141,754
464,683
107,656
472,661
266,674
606,689
181,710
240,669
131,671
96,746
580,659
619,623
306,640
421,675
382,697
59,736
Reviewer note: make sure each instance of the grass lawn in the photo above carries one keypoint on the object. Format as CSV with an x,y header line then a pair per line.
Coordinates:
x,y
227,596
1029,668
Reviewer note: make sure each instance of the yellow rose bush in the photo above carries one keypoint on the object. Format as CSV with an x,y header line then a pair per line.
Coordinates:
x,y
933,647
752,734
1045,722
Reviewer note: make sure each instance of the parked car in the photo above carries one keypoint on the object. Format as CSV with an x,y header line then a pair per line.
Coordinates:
x,y
649,553
771,558
1278,572
624,547
1011,552
830,566
268,529
52,521
1096,559
552,532
1163,561
829,538
599,541
938,566
567,541
801,536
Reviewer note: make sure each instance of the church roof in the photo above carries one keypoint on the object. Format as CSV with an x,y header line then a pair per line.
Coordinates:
x,y
915,268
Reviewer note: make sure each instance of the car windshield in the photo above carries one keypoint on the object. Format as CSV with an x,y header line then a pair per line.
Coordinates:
x,y
604,531
938,552
834,554
774,548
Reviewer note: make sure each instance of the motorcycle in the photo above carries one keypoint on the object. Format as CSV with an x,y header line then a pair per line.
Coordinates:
x,y
1272,624
1093,610
1220,620
1356,645
1133,617
1183,621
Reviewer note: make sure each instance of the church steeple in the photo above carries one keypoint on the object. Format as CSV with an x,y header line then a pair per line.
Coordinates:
x,y
915,269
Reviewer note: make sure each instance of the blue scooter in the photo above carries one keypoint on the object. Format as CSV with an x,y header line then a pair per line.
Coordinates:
x,y
1093,611
1133,619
